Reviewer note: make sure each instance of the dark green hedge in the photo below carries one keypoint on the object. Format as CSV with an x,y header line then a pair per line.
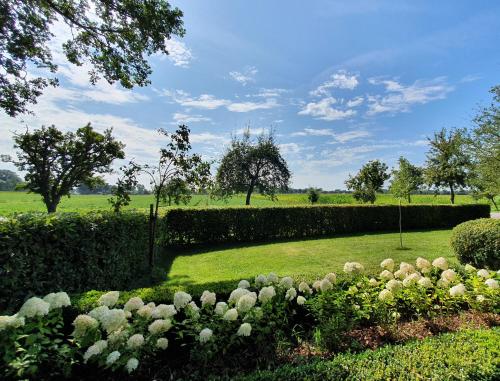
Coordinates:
x,y
467,355
247,224
41,253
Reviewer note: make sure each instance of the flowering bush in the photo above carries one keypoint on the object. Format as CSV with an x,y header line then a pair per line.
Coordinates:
x,y
207,331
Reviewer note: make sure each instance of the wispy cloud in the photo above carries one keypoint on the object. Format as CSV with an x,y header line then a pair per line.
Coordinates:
x,y
342,137
178,53
187,118
245,76
252,106
323,110
341,80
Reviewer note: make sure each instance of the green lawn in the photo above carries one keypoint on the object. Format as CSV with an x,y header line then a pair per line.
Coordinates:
x,y
11,202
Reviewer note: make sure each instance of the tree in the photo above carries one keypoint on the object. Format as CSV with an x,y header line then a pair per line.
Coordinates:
x,y
368,181
447,162
484,146
98,186
113,37
8,180
313,195
57,162
406,180
176,191
248,165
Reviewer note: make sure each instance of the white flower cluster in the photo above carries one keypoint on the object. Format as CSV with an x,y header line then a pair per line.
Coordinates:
x,y
353,268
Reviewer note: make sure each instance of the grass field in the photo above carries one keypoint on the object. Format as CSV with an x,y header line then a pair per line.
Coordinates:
x,y
11,202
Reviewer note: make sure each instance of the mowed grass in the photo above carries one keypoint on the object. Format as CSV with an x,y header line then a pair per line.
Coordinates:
x,y
12,202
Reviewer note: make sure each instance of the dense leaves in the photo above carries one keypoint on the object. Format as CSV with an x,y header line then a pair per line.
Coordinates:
x,y
406,179
8,180
368,181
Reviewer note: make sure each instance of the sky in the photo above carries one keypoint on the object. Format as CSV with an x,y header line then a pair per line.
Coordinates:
x,y
339,82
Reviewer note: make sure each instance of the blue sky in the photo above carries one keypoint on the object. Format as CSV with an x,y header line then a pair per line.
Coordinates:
x,y
341,82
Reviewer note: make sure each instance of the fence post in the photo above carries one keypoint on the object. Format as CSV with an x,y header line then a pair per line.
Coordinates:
x,y
151,243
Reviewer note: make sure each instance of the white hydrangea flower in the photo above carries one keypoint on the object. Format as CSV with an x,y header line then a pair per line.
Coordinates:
x,y
317,285
237,294
411,279
449,275
11,322
109,299
457,290
151,305
301,300
480,298
220,308
132,364
469,268
425,282
492,283
181,299
272,278
400,274
260,280
57,300
244,330
332,277
291,293
386,275
159,326
386,296
440,263
208,298
325,285
145,311
113,357
231,314
304,288
244,284
98,312
353,268
128,314
162,343
83,324
246,302
286,282
193,310
406,268
394,285
373,282
113,320
163,311
134,304
483,273
135,341
387,264
117,337
34,307
423,264
95,349
266,294
205,335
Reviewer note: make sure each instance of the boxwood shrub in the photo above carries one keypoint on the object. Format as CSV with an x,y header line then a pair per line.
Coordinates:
x,y
467,355
478,242
42,253
247,224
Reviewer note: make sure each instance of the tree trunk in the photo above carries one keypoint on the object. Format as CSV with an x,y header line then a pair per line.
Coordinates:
x,y
51,207
409,199
400,226
452,194
492,199
249,192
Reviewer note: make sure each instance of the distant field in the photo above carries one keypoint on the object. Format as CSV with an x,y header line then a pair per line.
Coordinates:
x,y
11,202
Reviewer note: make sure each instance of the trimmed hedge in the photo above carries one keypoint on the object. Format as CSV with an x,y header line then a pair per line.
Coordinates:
x,y
478,242
42,253
467,355
247,224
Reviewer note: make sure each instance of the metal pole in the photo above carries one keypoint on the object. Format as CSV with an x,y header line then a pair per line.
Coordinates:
x,y
151,243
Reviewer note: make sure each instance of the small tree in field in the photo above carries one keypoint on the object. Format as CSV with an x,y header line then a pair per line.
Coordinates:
x,y
368,181
406,180
249,165
177,192
57,162
447,161
313,195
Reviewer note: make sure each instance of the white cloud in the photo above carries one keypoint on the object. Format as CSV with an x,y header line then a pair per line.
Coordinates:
x,y
245,76
342,137
355,102
252,106
270,93
314,132
178,53
341,80
290,148
187,118
323,110
400,98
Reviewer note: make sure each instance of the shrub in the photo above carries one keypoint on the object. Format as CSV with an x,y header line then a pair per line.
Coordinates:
x,y
467,355
41,253
247,224
478,242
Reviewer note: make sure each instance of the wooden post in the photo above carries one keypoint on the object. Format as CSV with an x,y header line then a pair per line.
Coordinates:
x,y
151,243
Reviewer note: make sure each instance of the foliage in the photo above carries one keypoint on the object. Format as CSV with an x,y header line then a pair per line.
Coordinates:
x,y
176,191
313,195
478,242
406,180
448,162
468,355
212,225
57,162
124,187
8,180
112,38
484,144
368,181
41,253
248,165
98,186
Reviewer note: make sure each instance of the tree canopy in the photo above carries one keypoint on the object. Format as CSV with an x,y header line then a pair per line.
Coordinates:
x,y
406,179
8,180
57,162
248,165
113,37
368,181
